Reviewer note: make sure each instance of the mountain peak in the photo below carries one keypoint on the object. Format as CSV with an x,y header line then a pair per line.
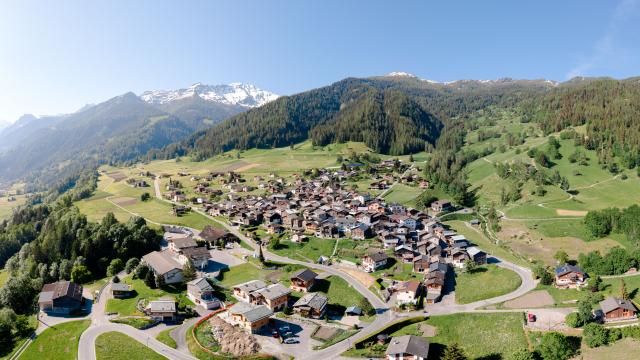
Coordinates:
x,y
245,95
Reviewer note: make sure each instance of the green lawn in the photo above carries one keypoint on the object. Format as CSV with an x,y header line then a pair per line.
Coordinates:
x,y
309,250
57,343
403,194
6,353
165,338
632,283
115,346
341,295
563,297
127,307
487,282
241,273
561,228
488,335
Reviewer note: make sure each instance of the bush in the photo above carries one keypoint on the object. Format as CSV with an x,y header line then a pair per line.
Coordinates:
x,y
522,354
595,335
555,346
572,320
131,265
115,267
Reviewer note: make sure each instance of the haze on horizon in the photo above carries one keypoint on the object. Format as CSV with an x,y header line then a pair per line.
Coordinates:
x,y
56,57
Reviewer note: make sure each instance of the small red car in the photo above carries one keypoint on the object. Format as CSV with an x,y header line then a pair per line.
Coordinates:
x,y
531,317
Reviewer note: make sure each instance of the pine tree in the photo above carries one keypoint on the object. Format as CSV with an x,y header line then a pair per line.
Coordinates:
x,y
150,279
623,290
189,271
454,352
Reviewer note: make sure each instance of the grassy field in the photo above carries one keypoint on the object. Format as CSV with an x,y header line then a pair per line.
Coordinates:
x,y
127,307
165,338
489,335
242,273
403,194
625,349
57,343
538,226
309,250
6,206
6,353
341,295
487,282
632,283
114,345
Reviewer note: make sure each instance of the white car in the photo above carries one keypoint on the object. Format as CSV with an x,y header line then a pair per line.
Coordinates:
x,y
291,340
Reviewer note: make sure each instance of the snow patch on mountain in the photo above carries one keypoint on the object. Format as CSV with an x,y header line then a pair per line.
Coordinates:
x,y
246,95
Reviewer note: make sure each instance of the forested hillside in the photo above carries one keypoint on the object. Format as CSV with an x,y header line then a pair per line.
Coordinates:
x,y
609,108
359,109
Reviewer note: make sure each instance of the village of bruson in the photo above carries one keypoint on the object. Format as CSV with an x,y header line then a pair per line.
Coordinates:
x,y
314,254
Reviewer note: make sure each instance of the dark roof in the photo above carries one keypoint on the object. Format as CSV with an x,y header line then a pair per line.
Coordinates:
x,y
60,289
120,287
409,344
209,233
611,303
305,275
379,256
567,268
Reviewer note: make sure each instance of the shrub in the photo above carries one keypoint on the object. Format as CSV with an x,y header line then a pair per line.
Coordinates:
x,y
555,346
572,320
595,335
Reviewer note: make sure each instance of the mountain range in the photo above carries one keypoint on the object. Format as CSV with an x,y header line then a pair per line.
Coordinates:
x,y
397,113
120,129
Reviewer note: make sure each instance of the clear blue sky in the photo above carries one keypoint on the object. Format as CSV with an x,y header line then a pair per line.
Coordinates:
x,y
56,56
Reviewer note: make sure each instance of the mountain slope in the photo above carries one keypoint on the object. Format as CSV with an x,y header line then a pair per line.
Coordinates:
x,y
292,119
118,130
386,121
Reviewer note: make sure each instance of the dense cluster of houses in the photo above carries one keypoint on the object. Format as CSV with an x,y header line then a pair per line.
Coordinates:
x,y
321,207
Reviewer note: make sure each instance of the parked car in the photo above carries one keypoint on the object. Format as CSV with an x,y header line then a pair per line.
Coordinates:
x,y
291,340
275,334
531,317
288,334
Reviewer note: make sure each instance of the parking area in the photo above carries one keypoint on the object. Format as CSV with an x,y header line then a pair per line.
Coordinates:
x,y
222,259
300,331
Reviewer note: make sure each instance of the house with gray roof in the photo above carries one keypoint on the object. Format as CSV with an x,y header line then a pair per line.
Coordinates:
x,y
274,296
408,347
243,290
164,264
162,310
311,305
249,316
616,309
201,293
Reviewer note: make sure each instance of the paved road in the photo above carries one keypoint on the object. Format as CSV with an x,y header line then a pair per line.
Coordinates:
x,y
100,324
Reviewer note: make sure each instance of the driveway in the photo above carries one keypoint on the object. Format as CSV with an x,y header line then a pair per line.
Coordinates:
x,y
301,330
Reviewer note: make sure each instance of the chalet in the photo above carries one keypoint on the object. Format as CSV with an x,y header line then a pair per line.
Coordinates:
x,y
162,310
615,309
404,252
250,317
434,282
163,264
199,257
408,347
408,292
60,298
477,255
243,290
569,276
201,293
458,257
298,238
441,205
214,236
313,305
120,290
361,231
421,264
274,296
179,241
375,261
303,280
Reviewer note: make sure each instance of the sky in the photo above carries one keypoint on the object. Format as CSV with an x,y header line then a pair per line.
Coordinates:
x,y
56,56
